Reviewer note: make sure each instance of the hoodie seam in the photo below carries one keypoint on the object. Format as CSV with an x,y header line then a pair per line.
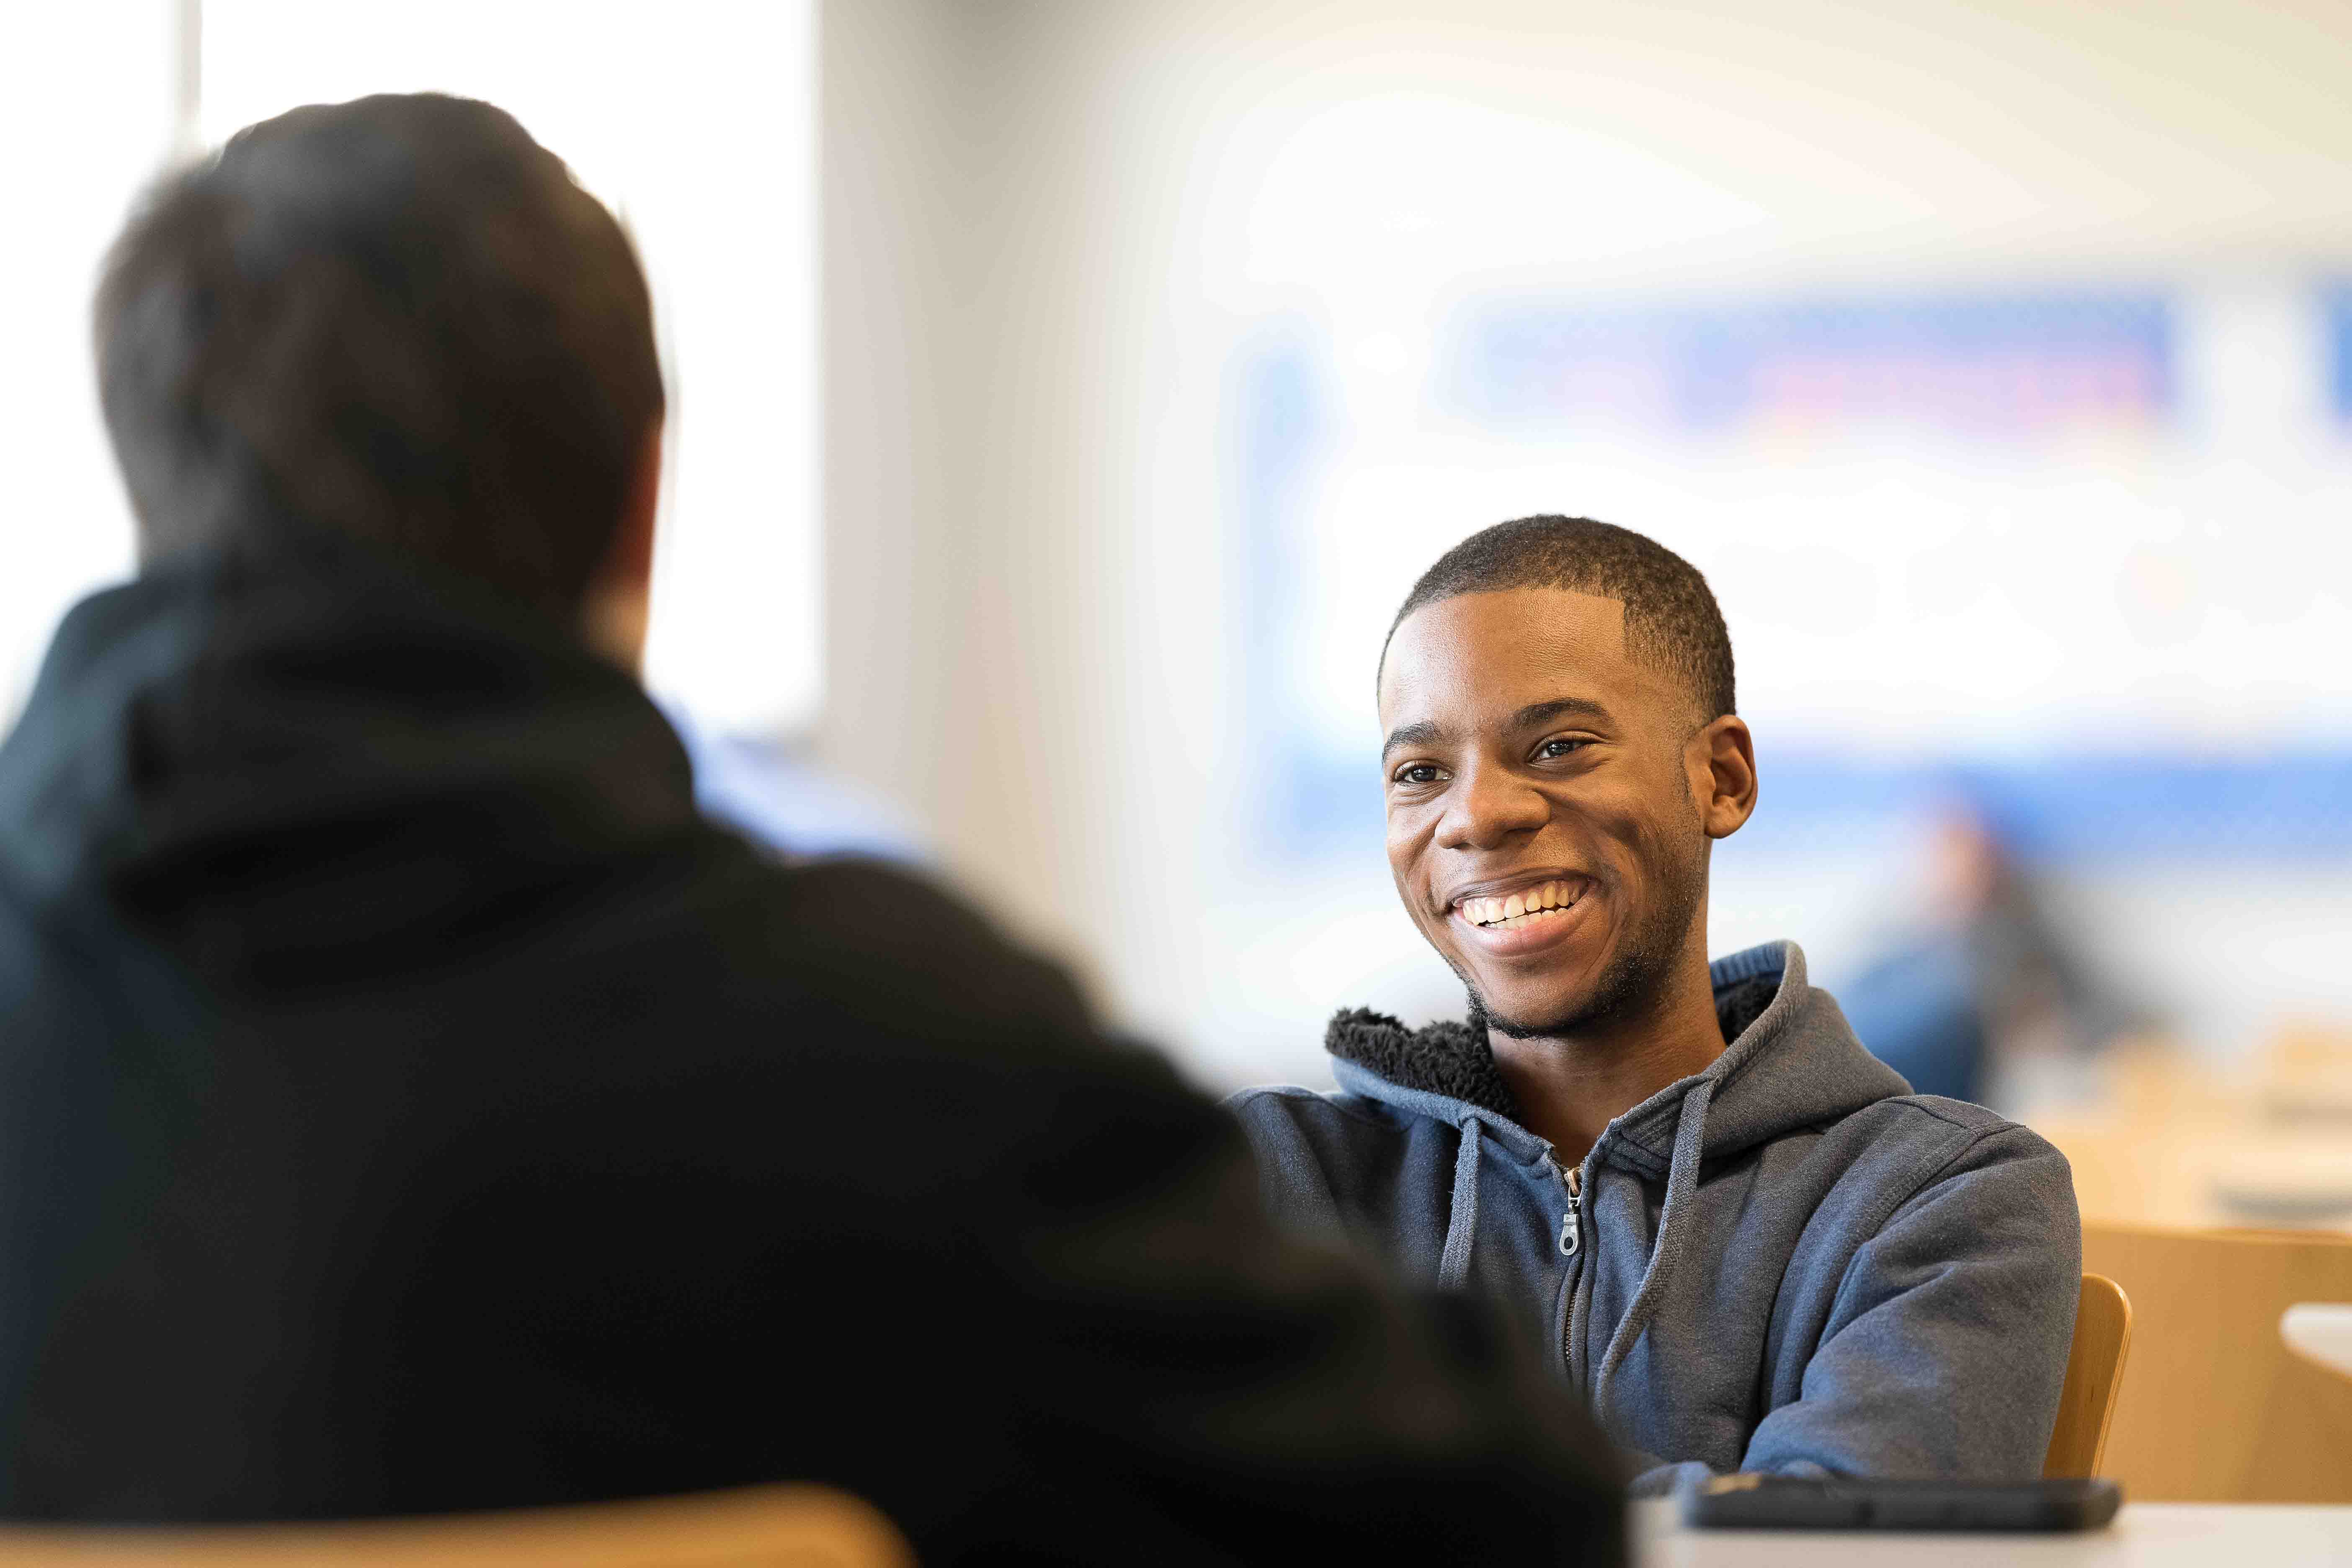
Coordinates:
x,y
1630,1151
1929,1170
1886,1211
1911,1102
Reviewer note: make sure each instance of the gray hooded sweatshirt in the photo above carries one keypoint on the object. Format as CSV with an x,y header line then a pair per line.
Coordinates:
x,y
1787,1262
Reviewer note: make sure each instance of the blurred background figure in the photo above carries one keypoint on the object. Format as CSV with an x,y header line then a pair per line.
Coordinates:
x,y
1979,994
1066,393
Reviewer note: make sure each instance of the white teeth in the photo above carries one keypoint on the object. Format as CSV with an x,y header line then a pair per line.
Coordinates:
x,y
1517,908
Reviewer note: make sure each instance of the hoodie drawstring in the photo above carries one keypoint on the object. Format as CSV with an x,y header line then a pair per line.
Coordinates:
x,y
1682,1180
1454,1263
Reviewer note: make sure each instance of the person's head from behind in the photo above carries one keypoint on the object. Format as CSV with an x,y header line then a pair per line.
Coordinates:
x,y
402,320
1561,749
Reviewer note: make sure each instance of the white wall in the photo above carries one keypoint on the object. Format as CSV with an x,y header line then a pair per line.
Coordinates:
x,y
86,117
1050,224
708,155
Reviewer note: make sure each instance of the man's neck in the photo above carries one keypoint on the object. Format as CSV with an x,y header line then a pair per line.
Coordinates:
x,y
1571,1086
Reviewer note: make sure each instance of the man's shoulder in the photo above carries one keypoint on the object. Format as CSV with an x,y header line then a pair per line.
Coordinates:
x,y
1950,1131
880,941
1908,1151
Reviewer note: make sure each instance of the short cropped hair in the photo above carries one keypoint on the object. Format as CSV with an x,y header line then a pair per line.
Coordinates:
x,y
1671,621
399,317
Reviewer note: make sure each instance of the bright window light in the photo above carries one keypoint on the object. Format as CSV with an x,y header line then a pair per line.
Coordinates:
x,y
86,106
697,123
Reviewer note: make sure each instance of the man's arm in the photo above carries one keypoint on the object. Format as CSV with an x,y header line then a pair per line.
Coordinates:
x,y
1267,1393
1947,1346
1113,1351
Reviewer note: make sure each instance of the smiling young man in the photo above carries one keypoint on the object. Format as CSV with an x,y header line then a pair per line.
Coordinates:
x,y
1744,1240
411,1103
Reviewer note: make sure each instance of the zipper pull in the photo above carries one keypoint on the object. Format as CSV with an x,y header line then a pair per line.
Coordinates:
x,y
1571,1232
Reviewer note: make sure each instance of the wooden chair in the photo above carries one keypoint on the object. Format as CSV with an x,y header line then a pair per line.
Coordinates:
x,y
2213,1406
2094,1368
760,1527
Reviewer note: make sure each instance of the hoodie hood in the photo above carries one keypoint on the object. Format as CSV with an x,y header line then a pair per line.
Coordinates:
x,y
272,764
1792,1061
1784,1262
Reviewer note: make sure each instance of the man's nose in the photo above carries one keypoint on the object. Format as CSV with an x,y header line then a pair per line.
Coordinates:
x,y
1488,806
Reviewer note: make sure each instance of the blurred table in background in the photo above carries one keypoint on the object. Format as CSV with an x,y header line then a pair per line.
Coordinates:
x,y
2219,1199
2144,1535
2165,1139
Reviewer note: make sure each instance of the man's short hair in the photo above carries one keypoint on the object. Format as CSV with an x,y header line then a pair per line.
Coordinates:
x,y
1671,621
399,317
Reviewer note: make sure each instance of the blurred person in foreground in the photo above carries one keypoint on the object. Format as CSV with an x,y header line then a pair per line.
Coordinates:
x,y
411,1104
1745,1241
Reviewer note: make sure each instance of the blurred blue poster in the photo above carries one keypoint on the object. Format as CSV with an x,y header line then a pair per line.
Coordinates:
x,y
2024,545
1998,366
2338,309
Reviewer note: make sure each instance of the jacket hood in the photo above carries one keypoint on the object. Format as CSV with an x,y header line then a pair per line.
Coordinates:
x,y
1792,1061
260,761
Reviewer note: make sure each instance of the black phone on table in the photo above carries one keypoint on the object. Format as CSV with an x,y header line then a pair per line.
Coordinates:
x,y
1804,1502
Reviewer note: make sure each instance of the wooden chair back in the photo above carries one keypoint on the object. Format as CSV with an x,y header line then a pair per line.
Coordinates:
x,y
760,1527
2213,1407
2094,1371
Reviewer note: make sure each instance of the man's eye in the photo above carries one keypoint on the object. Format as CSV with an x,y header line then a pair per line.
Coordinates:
x,y
1560,748
1420,774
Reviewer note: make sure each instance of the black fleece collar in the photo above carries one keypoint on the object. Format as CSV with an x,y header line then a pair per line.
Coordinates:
x,y
1454,1060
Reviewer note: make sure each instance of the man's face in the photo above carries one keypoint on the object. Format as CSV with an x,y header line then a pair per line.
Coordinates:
x,y
1549,803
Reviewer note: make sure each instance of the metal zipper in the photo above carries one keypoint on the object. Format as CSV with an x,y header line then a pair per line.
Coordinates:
x,y
1571,1242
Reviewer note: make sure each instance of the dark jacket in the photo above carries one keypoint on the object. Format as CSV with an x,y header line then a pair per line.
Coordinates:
x,y
1787,1262
407,1103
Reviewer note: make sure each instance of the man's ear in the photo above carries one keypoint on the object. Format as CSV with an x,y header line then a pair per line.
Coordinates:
x,y
619,604
1721,762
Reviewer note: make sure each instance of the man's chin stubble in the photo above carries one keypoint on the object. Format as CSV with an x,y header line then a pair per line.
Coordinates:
x,y
1618,991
